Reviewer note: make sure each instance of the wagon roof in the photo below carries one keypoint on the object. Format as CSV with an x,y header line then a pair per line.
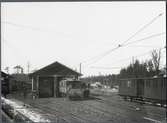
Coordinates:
x,y
141,78
55,68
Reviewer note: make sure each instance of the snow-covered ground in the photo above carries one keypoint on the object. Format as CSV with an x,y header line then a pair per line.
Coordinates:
x,y
104,91
19,107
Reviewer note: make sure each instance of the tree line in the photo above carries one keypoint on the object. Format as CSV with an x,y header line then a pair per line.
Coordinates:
x,y
136,69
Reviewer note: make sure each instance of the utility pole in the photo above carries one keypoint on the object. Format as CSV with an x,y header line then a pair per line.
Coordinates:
x,y
133,60
28,67
80,68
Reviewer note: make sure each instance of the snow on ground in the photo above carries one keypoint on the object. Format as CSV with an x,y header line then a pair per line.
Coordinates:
x,y
27,112
110,90
104,91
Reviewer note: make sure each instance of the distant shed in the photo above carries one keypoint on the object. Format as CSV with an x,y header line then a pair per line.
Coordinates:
x,y
46,80
18,81
5,82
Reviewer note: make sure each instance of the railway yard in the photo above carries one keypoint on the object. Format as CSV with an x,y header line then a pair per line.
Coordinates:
x,y
97,109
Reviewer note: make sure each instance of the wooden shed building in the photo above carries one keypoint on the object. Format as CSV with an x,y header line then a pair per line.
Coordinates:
x,y
19,81
46,80
5,82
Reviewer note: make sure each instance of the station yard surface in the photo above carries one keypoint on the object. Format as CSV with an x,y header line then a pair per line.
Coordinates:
x,y
100,109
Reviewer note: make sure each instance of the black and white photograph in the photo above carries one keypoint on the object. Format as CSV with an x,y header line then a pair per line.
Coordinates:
x,y
83,62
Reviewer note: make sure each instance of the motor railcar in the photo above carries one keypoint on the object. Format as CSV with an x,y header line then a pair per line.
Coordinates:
x,y
74,89
150,89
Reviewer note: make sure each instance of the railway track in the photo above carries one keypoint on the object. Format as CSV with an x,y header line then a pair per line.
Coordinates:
x,y
106,115
132,107
67,117
86,110
103,110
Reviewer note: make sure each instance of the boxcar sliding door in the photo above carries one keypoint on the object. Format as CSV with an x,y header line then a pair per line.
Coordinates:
x,y
140,87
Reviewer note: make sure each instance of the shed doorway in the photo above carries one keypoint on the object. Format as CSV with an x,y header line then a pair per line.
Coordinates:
x,y
46,87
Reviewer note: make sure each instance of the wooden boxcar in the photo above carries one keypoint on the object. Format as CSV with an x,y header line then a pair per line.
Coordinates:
x,y
155,89
152,89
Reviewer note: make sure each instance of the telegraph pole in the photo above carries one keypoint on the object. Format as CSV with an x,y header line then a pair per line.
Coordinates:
x,y
80,68
28,67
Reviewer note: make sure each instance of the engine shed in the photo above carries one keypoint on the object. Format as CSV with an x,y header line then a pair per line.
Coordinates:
x,y
45,81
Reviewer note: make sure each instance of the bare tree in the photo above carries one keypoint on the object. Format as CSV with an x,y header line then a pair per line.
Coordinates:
x,y
156,57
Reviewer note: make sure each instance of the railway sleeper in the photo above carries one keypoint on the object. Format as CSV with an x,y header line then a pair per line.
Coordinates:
x,y
141,100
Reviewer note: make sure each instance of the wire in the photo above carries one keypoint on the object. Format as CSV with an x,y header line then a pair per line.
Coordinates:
x,y
141,29
14,49
34,28
96,67
123,44
151,46
108,52
103,55
22,26
152,36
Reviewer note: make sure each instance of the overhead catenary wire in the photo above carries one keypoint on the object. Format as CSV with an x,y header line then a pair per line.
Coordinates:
x,y
99,67
141,29
139,40
97,58
121,60
145,38
14,51
143,46
38,29
23,26
103,55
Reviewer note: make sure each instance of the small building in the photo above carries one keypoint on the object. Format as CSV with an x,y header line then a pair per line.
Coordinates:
x,y
5,83
46,80
18,81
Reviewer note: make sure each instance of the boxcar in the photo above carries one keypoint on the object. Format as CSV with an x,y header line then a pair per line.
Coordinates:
x,y
155,89
151,89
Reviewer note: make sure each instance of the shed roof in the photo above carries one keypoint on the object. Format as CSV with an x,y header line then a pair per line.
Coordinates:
x,y
55,68
3,74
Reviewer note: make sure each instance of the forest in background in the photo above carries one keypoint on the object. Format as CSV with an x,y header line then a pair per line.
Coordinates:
x,y
136,69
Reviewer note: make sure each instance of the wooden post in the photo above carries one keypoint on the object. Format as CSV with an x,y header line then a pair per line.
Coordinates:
x,y
37,86
55,85
32,84
80,68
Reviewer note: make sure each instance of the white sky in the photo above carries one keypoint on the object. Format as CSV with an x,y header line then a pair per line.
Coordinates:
x,y
74,32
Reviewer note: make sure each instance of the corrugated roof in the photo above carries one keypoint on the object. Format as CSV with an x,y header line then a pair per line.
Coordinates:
x,y
55,68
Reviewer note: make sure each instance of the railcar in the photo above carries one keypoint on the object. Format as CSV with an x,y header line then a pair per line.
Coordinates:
x,y
149,89
74,89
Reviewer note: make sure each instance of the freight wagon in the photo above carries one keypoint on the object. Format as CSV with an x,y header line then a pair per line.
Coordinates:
x,y
149,89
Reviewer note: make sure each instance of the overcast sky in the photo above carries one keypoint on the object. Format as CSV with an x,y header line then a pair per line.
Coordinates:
x,y
79,32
